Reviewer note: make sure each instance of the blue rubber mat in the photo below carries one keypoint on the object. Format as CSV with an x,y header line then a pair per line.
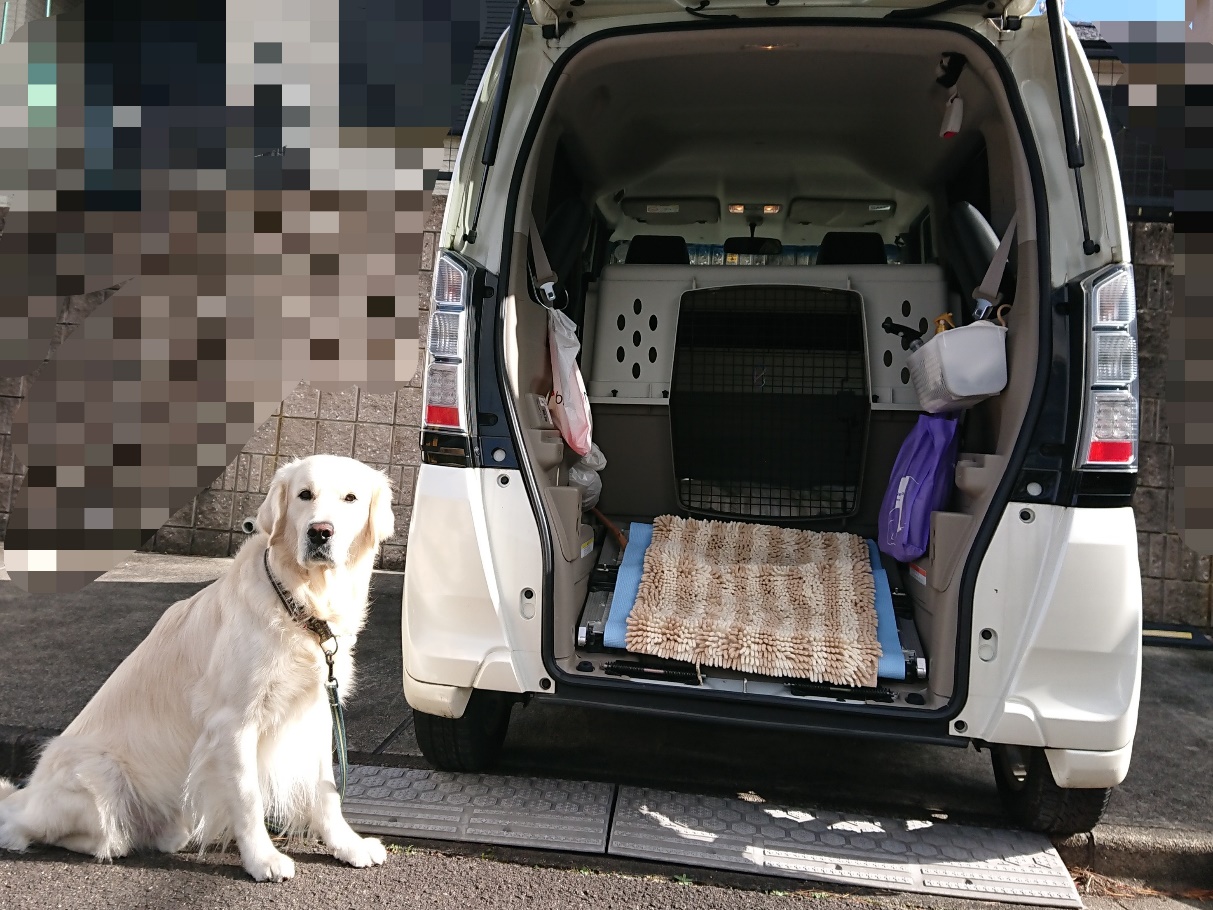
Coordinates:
x,y
892,660
627,586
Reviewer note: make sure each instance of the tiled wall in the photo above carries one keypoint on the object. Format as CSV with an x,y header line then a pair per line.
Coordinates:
x,y
380,430
1175,580
383,429
72,311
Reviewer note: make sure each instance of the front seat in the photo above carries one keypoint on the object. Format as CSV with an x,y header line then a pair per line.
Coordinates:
x,y
852,248
657,249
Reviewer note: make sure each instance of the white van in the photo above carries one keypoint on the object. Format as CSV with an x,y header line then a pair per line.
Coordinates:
x,y
753,211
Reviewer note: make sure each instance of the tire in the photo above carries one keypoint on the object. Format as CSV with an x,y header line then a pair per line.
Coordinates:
x,y
469,743
1033,800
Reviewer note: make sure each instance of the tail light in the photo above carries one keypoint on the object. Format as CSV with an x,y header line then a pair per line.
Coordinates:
x,y
446,391
1109,438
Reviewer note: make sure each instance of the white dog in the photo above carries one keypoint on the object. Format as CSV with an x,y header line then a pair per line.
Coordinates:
x,y
221,714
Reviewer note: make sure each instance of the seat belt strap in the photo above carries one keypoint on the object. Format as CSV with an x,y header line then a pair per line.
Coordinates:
x,y
987,295
545,278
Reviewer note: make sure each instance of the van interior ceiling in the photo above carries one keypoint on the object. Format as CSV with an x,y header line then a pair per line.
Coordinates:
x,y
882,224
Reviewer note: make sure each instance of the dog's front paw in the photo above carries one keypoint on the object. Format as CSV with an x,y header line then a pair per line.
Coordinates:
x,y
270,867
363,852
12,839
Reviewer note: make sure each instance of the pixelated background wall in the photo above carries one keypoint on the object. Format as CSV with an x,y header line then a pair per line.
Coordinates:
x,y
382,429
251,183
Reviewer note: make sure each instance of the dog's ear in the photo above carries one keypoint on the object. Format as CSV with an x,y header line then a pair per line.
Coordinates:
x,y
274,507
382,520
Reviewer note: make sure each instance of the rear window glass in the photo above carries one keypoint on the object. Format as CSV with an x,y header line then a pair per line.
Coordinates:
x,y
713,254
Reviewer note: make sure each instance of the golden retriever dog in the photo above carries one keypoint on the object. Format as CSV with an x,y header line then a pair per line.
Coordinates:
x,y
221,716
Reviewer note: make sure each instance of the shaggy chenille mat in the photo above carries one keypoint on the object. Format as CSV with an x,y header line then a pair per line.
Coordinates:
x,y
758,599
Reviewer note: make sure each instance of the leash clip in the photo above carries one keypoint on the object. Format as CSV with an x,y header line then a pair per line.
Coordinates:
x,y
328,659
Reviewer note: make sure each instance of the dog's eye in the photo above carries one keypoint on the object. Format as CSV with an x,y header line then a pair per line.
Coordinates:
x,y
350,497
305,495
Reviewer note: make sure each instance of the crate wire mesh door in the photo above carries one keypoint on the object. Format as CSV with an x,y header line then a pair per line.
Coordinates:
x,y
769,402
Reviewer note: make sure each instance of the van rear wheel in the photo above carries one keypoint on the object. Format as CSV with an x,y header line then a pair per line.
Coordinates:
x,y
1031,797
469,743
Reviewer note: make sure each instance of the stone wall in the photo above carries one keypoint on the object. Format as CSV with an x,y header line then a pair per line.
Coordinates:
x,y
1175,580
383,431
72,312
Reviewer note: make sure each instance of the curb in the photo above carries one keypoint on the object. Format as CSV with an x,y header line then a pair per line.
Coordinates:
x,y
1161,857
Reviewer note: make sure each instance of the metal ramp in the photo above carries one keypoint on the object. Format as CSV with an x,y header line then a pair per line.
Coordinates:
x,y
921,856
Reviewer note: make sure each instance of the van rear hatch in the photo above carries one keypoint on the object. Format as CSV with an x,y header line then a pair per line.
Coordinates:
x,y
567,12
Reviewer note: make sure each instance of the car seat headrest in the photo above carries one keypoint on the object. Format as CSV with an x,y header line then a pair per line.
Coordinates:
x,y
657,249
852,248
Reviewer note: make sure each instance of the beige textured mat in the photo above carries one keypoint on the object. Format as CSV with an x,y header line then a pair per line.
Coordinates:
x,y
758,599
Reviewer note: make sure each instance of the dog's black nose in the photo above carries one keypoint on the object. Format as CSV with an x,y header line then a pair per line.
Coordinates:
x,y
319,533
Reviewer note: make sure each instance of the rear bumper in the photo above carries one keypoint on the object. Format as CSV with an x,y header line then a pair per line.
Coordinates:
x,y
1077,769
1058,610
431,698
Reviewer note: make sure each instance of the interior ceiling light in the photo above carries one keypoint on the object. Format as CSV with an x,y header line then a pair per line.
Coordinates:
x,y
770,208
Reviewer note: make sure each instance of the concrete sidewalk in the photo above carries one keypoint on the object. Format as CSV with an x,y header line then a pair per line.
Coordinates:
x,y
58,649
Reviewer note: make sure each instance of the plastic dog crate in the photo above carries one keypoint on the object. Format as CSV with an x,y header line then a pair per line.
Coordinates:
x,y
769,402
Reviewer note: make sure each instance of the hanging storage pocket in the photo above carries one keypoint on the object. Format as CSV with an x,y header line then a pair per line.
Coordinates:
x,y
960,367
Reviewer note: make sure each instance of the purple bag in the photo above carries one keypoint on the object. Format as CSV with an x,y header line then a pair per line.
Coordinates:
x,y
920,484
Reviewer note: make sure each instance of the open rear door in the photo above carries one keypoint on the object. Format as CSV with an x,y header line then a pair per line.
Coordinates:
x,y
568,12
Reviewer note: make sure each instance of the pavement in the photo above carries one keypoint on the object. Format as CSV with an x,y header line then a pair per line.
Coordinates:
x,y
58,649
453,877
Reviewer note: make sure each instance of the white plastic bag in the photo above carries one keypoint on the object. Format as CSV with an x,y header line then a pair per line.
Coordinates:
x,y
569,405
584,474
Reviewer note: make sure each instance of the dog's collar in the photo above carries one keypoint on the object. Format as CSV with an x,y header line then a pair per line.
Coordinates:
x,y
317,627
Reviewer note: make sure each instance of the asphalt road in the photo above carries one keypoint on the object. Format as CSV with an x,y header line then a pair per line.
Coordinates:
x,y
60,649
446,879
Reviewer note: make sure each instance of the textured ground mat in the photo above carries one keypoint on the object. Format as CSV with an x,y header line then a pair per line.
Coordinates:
x,y
922,856
926,857
512,811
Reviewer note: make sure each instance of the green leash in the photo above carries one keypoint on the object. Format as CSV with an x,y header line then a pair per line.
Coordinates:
x,y
339,740
324,634
340,746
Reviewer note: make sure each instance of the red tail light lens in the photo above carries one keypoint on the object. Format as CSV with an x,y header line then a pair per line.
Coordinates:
x,y
1112,409
445,373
